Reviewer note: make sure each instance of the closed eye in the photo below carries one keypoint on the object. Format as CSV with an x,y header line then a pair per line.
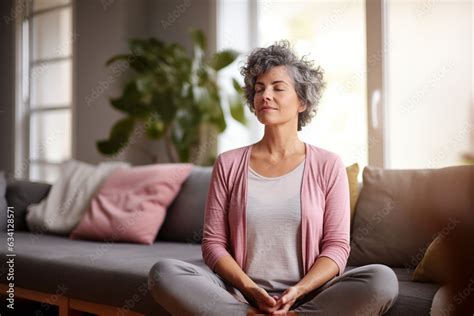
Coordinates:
x,y
261,90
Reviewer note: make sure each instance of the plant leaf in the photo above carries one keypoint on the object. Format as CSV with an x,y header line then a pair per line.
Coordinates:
x,y
122,129
223,58
237,109
146,86
155,129
108,147
163,104
199,39
118,138
217,117
131,101
117,57
220,123
237,86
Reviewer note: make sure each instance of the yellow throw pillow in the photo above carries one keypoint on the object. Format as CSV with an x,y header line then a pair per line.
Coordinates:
x,y
449,257
432,267
352,174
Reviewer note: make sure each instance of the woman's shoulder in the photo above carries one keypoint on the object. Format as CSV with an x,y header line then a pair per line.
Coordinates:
x,y
327,164
232,159
324,157
235,154
230,163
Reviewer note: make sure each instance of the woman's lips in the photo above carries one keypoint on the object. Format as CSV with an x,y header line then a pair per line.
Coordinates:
x,y
266,109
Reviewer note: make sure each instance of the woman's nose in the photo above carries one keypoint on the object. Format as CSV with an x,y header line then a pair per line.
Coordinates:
x,y
267,94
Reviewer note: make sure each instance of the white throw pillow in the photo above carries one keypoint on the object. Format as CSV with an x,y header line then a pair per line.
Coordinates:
x,y
69,196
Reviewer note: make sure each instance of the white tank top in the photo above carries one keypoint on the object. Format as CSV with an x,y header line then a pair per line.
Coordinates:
x,y
274,261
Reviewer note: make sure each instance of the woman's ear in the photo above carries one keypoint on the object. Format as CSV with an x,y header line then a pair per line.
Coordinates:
x,y
302,107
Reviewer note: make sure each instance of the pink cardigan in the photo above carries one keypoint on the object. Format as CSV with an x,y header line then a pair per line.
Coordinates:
x,y
325,208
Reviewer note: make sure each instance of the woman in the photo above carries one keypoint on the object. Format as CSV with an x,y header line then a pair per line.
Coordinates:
x,y
276,227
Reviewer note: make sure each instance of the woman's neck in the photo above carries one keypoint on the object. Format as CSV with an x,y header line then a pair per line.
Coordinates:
x,y
280,148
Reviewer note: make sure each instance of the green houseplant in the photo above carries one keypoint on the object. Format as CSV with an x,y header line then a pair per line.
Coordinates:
x,y
175,97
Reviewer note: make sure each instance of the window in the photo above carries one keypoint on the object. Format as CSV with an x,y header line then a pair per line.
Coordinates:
x,y
44,94
429,83
399,75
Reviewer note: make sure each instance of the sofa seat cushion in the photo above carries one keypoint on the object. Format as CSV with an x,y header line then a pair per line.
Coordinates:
x,y
414,298
106,273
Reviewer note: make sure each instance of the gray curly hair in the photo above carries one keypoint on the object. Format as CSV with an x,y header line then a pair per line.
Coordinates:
x,y
308,80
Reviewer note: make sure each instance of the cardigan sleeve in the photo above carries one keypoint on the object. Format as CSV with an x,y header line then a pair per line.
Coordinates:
x,y
335,242
215,229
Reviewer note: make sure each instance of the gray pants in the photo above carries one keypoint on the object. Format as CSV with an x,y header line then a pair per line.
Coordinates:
x,y
183,288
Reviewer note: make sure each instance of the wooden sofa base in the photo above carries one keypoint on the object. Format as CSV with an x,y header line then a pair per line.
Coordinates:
x,y
66,306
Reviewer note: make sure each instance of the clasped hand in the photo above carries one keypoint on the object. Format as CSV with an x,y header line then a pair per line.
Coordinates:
x,y
275,305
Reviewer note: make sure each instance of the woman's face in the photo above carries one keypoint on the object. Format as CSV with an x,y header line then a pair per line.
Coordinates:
x,y
275,101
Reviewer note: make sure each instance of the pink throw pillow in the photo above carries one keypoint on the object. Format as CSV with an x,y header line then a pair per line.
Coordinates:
x,y
131,204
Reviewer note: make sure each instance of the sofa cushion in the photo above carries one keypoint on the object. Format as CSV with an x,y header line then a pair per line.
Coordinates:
x,y
131,204
399,212
20,194
185,215
114,274
65,205
3,202
414,298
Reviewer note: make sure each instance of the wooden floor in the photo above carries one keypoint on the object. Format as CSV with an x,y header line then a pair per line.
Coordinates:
x,y
66,306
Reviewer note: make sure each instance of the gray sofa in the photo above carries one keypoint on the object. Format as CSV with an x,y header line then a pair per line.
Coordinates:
x,y
115,274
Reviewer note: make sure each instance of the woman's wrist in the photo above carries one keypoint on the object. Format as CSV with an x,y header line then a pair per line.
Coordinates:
x,y
247,289
301,291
